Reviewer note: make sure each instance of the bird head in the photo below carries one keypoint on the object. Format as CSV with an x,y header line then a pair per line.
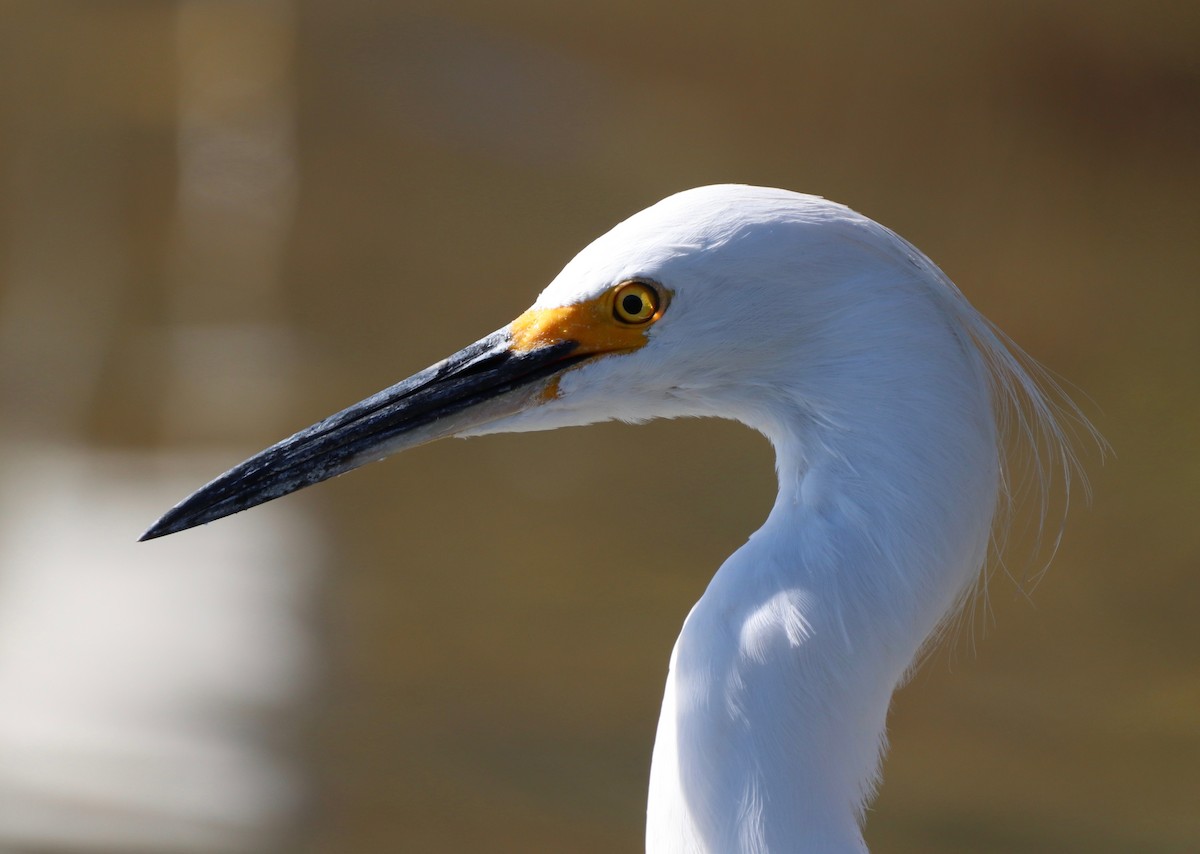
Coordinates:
x,y
711,302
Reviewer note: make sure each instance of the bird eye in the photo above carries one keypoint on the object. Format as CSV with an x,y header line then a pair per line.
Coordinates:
x,y
635,303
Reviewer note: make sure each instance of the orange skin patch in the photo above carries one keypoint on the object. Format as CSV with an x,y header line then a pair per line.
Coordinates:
x,y
591,324
550,392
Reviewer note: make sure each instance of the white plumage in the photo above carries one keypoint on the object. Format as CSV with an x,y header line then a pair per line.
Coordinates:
x,y
885,395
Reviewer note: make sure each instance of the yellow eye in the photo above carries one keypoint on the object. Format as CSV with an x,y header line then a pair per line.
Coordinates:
x,y
635,303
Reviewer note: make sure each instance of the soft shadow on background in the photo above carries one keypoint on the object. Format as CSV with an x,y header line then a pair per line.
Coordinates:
x,y
220,221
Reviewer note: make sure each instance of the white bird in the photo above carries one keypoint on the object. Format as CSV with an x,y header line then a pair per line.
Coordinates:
x,y
885,395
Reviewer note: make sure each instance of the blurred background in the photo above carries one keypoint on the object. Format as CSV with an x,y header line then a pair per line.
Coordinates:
x,y
221,221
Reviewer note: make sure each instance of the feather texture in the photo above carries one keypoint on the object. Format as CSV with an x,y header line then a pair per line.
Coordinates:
x,y
887,397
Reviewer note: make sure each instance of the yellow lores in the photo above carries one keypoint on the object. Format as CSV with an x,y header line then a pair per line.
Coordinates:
x,y
772,725
614,322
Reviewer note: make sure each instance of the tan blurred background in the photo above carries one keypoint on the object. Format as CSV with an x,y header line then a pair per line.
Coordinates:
x,y
220,221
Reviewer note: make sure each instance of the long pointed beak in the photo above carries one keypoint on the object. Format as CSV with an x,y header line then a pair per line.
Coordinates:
x,y
483,382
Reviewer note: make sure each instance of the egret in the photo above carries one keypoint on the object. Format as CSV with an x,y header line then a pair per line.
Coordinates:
x,y
887,398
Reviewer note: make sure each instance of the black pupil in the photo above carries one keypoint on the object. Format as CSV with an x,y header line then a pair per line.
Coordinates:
x,y
632,303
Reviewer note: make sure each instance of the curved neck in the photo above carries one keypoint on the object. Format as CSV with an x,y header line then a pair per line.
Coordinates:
x,y
772,727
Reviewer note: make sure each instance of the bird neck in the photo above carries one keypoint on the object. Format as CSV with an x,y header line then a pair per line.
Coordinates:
x,y
772,727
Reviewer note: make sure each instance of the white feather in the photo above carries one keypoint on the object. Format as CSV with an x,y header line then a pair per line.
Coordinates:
x,y
886,396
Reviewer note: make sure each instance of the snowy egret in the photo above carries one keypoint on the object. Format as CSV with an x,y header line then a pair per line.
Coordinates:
x,y
886,396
